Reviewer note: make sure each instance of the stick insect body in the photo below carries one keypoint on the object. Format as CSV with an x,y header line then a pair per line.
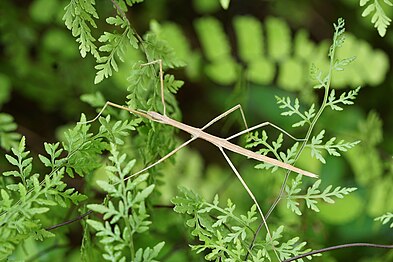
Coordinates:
x,y
224,143
221,143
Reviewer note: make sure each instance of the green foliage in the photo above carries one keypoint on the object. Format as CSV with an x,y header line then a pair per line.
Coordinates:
x,y
366,163
380,20
313,195
24,200
331,146
78,15
309,118
124,212
294,109
344,99
385,219
132,222
144,86
255,141
114,44
38,62
226,235
225,3
368,166
85,148
8,138
291,57
215,45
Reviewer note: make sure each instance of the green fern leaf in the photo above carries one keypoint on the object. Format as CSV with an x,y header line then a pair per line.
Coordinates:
x,y
126,210
313,195
380,20
345,99
331,146
386,218
21,161
294,109
8,138
148,254
78,15
115,45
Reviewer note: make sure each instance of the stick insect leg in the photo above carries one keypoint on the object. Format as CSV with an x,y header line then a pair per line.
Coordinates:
x,y
249,193
163,158
261,125
108,103
245,124
225,114
159,61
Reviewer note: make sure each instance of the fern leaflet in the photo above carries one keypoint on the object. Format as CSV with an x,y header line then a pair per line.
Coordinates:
x,y
330,146
380,20
78,15
386,218
313,195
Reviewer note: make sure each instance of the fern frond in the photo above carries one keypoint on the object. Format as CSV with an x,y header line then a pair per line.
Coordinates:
x,y
345,99
158,49
21,161
8,138
294,109
116,132
386,218
217,240
148,254
313,195
254,140
54,152
23,203
78,16
209,222
331,146
144,92
339,64
380,20
126,205
215,44
115,45
290,248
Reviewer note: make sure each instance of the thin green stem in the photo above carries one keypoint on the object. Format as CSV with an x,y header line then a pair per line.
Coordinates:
x,y
316,118
326,85
131,244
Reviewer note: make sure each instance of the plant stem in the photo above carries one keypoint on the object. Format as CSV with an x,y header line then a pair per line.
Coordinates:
x,y
326,85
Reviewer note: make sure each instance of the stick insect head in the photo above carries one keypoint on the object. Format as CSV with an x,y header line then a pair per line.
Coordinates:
x,y
157,117
151,115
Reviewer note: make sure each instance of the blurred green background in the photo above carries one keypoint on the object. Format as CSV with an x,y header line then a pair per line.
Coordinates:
x,y
247,54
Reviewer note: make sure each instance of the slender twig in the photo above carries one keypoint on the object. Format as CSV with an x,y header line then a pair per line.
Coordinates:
x,y
119,10
88,213
326,249
69,221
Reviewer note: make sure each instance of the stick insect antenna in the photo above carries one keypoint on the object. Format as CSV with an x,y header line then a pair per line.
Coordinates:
x,y
159,61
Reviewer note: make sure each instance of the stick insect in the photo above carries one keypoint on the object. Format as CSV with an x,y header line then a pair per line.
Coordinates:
x,y
221,143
